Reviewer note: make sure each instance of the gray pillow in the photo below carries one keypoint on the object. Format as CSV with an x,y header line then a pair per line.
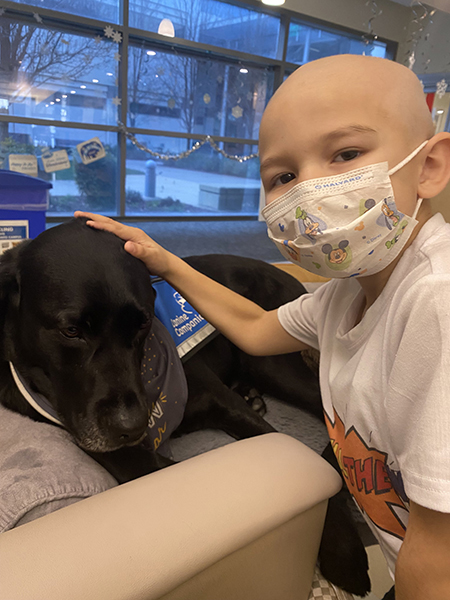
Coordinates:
x,y
42,470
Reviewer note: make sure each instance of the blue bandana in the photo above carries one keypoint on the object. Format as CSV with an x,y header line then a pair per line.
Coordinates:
x,y
188,328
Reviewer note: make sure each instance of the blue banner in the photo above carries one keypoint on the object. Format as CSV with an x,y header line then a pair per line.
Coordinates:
x,y
186,326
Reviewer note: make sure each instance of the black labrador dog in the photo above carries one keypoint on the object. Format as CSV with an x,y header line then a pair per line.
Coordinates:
x,y
76,309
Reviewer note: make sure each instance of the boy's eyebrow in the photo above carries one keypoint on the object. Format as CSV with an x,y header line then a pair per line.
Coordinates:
x,y
343,131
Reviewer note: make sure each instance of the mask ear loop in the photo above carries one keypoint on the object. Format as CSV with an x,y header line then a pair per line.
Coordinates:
x,y
406,160
402,164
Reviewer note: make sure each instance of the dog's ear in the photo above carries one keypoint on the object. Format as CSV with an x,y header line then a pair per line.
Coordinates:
x,y
9,279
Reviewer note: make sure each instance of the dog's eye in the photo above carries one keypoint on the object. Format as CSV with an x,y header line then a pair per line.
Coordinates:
x,y
71,332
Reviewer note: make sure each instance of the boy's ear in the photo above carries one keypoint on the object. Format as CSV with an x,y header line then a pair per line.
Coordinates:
x,y
436,170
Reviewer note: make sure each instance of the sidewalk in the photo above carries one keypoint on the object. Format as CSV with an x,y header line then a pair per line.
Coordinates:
x,y
178,184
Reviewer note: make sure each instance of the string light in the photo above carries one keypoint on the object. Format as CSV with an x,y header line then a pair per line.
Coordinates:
x,y
207,140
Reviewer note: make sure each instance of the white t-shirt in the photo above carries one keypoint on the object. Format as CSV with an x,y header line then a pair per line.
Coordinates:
x,y
386,383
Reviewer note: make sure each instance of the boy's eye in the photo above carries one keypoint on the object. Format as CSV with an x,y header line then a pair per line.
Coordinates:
x,y
285,178
347,155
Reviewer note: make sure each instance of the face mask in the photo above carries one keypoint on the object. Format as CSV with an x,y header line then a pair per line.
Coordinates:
x,y
342,226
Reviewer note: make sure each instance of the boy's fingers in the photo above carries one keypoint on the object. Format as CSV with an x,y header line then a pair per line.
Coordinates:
x,y
124,232
92,216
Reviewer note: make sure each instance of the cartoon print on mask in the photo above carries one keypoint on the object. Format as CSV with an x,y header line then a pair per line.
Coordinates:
x,y
394,240
338,258
308,225
291,250
365,205
390,217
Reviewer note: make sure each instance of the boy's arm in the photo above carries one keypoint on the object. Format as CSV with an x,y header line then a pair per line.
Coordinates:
x,y
250,327
422,569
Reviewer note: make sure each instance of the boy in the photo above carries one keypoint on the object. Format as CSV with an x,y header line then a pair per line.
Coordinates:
x,y
382,323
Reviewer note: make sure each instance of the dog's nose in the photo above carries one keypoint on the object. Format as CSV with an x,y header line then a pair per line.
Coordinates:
x,y
126,428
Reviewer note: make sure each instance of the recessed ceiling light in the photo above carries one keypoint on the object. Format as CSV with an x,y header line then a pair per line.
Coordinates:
x,y
151,53
95,81
109,74
273,2
83,87
72,91
243,70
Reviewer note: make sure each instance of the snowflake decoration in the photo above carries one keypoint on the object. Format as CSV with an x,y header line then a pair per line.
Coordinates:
x,y
219,79
117,37
441,88
37,17
116,101
97,39
237,112
411,60
2,11
109,31
171,103
206,98
117,57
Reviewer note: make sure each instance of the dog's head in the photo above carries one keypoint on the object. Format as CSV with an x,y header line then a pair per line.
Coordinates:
x,y
76,309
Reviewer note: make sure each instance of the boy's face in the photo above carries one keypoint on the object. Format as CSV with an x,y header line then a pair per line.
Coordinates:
x,y
339,114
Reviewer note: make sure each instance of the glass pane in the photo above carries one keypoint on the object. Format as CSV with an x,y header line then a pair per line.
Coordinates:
x,y
210,22
173,92
105,10
204,183
88,186
49,74
307,43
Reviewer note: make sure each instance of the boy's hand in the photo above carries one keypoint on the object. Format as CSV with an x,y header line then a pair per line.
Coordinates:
x,y
137,243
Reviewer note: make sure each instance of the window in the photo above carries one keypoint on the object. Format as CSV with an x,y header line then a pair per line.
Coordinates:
x,y
51,74
306,43
83,85
105,10
205,183
211,22
172,91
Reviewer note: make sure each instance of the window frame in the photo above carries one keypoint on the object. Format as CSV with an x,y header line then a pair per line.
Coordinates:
x,y
85,25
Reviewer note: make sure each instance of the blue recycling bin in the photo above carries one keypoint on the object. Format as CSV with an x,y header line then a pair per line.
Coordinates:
x,y
22,198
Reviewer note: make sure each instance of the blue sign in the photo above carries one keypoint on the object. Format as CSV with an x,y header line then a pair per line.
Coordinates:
x,y
186,326
11,230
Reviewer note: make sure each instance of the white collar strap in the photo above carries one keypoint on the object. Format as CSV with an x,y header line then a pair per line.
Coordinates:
x,y
37,401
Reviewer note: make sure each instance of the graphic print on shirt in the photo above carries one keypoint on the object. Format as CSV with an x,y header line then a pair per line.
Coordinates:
x,y
377,489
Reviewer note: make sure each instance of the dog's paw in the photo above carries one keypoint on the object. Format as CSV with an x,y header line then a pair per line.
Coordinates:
x,y
255,401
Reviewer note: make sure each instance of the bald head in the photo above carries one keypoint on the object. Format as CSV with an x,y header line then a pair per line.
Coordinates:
x,y
383,92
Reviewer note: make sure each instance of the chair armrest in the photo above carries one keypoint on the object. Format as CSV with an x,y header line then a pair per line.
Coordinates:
x,y
143,539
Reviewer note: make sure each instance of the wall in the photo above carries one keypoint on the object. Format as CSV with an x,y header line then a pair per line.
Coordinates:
x,y
436,48
441,203
355,14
